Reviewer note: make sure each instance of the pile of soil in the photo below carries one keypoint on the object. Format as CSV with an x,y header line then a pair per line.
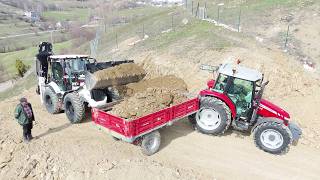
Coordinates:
x,y
151,95
114,76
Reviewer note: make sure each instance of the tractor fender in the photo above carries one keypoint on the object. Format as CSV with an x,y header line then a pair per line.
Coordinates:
x,y
223,98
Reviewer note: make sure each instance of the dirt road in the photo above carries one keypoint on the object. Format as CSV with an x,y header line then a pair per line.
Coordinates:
x,y
64,151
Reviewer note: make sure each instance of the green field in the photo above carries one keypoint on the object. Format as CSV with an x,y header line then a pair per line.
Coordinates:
x,y
27,56
73,14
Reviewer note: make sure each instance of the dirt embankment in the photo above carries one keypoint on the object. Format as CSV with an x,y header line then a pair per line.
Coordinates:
x,y
151,95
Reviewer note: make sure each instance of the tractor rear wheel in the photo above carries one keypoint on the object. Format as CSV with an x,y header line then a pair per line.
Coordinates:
x,y
150,143
272,137
74,108
51,101
214,116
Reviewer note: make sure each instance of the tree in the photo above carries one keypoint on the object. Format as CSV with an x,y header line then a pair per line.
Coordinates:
x,y
21,67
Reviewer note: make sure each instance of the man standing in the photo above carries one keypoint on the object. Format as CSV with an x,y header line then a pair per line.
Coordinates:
x,y
24,115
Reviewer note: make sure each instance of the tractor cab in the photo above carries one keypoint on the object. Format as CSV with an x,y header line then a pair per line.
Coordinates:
x,y
241,85
68,71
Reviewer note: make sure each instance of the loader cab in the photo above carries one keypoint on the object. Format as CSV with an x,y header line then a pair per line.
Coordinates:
x,y
241,85
67,71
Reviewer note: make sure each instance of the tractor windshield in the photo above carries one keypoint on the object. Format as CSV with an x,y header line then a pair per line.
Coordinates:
x,y
221,83
240,92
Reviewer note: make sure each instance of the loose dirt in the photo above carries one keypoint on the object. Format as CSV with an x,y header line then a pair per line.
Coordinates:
x,y
151,95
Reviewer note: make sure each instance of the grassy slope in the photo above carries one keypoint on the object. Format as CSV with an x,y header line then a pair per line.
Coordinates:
x,y
27,56
29,81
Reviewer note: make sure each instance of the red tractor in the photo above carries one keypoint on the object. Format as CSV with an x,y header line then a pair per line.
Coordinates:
x,y
235,98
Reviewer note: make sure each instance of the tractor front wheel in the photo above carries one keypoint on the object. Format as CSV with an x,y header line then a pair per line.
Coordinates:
x,y
272,137
74,108
214,116
150,143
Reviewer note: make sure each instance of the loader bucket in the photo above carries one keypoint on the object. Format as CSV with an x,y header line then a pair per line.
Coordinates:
x,y
114,76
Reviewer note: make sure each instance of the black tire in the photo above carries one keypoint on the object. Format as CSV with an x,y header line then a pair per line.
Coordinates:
x,y
74,108
51,101
192,119
220,108
275,128
150,143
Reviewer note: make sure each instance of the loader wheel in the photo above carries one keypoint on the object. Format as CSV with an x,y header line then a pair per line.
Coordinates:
x,y
51,101
213,117
150,143
74,108
272,137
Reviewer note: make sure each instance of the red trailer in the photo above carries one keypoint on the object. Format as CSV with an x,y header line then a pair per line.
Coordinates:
x,y
144,130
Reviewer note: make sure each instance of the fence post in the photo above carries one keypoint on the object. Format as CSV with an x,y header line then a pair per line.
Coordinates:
x,y
192,7
172,25
197,12
143,31
287,35
218,18
51,36
205,10
219,5
239,19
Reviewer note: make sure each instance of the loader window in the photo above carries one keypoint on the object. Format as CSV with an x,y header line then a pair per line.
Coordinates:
x,y
78,65
57,71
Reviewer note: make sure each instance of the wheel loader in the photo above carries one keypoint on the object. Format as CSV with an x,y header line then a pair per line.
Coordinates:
x,y
72,83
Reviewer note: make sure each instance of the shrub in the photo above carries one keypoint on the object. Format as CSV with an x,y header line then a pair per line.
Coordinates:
x,y
21,67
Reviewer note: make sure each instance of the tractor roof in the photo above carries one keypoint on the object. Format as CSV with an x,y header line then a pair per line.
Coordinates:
x,y
240,72
69,56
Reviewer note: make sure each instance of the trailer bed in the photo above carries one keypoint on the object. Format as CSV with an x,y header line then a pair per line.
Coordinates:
x,y
129,131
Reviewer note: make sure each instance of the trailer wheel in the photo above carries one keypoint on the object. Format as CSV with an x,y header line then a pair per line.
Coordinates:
x,y
272,137
214,116
74,108
51,101
150,143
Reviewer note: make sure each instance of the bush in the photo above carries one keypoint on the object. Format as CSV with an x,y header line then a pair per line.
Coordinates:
x,y
21,67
